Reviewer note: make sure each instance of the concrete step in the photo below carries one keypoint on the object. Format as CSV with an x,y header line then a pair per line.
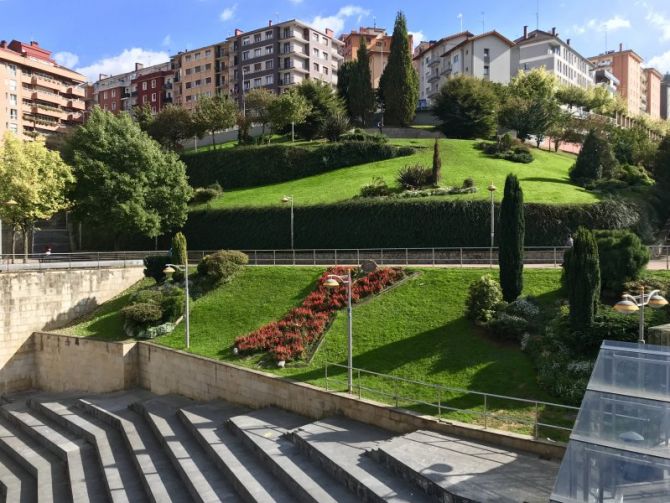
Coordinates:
x,y
456,470
121,479
49,471
161,481
339,445
85,480
263,431
200,475
248,475
18,485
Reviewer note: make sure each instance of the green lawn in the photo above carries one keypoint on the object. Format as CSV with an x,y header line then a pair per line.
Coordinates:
x,y
545,180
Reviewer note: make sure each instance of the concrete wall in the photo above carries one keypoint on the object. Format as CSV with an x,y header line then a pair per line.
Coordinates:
x,y
45,300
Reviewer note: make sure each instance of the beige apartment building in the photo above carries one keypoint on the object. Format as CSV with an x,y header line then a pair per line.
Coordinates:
x,y
200,72
37,95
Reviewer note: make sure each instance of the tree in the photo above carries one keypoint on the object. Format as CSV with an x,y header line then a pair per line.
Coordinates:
x,y
143,116
344,73
36,179
126,183
632,146
289,108
399,84
595,160
361,96
582,279
530,105
467,108
258,103
512,231
213,114
574,96
662,166
336,125
179,255
436,174
323,103
171,126
565,128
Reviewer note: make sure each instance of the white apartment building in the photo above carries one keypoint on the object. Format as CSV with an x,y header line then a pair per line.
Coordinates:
x,y
545,49
486,56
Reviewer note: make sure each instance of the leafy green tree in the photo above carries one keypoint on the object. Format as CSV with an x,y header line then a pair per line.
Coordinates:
x,y
323,103
564,129
622,258
361,95
143,116
179,255
467,108
582,279
530,106
336,125
213,114
399,84
344,74
512,232
171,126
595,160
632,146
662,165
35,178
258,103
436,174
289,108
126,183
574,96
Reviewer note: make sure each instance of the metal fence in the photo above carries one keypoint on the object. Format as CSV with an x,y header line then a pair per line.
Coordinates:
x,y
82,260
537,418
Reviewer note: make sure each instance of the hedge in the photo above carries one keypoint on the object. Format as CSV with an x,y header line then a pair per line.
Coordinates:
x,y
393,223
253,166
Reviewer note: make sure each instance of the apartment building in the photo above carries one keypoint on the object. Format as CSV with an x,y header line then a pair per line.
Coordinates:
x,y
665,97
378,44
538,48
144,85
199,72
651,85
486,56
431,67
626,66
37,96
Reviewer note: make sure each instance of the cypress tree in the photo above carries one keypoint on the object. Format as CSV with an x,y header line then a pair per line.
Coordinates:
x,y
399,84
512,230
360,94
582,279
178,254
595,160
436,174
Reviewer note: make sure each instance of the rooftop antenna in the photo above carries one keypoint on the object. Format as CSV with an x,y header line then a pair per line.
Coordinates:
x,y
537,16
460,16
483,22
374,22
605,39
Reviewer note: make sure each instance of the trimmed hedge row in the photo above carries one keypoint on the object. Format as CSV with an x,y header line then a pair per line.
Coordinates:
x,y
393,223
253,166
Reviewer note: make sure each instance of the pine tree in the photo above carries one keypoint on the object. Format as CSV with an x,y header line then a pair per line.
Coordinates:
x,y
360,94
436,174
178,254
512,231
399,84
595,160
582,279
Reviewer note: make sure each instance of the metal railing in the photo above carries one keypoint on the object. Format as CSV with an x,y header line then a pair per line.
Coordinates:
x,y
82,260
489,410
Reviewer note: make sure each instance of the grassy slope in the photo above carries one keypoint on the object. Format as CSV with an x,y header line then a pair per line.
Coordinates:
x,y
544,180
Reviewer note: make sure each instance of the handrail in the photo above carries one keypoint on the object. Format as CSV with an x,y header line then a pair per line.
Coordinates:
x,y
486,413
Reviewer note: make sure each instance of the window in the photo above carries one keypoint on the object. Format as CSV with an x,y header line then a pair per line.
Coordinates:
x,y
113,93
287,48
268,49
197,83
245,41
324,55
486,53
188,85
208,80
257,38
269,79
257,53
486,71
153,109
208,66
197,69
268,34
114,105
287,32
12,69
257,82
315,37
456,58
245,69
258,67
325,70
144,87
269,64
189,71
153,97
13,114
104,95
153,83
245,55
246,85
12,85
13,128
188,57
188,98
196,56
316,67
324,40
315,52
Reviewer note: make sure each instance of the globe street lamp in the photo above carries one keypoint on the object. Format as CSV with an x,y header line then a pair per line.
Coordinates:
x,y
289,199
631,304
334,281
492,188
170,269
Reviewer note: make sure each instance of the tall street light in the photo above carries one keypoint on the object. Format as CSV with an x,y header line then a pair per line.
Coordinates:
x,y
170,269
334,281
492,188
631,304
289,199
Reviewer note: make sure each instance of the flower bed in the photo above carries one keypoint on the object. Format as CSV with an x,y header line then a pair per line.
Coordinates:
x,y
288,338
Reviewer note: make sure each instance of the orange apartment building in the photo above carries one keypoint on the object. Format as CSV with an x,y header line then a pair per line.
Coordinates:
x,y
653,92
379,47
199,72
38,97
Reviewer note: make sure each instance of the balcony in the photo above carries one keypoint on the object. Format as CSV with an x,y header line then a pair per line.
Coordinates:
x,y
41,80
49,111
446,72
167,99
48,97
77,104
434,77
167,85
434,62
77,91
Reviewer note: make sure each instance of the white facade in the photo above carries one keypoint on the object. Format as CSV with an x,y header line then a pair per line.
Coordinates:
x,y
486,56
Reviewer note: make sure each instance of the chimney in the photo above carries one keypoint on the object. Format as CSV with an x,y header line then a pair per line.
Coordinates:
x,y
34,43
330,32
553,31
270,22
139,66
3,44
621,47
567,41
238,32
525,32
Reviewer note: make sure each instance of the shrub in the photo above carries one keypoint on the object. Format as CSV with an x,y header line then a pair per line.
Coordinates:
x,y
468,183
376,188
152,296
634,176
523,308
172,302
414,177
221,266
154,265
335,125
520,157
595,160
484,295
623,257
362,135
201,196
508,327
505,142
143,313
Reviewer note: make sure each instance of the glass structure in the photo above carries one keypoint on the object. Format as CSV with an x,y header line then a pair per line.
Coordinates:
x,y
619,447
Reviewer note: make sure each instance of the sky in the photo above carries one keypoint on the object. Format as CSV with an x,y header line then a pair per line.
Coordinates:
x,y
96,37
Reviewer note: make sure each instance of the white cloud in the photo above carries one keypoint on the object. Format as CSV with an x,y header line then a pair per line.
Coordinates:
x,y
660,62
661,22
66,59
336,22
167,41
228,13
124,62
417,37
612,24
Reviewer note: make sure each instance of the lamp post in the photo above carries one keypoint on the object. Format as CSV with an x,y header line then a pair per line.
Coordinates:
x,y
492,188
289,199
631,304
169,269
334,281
